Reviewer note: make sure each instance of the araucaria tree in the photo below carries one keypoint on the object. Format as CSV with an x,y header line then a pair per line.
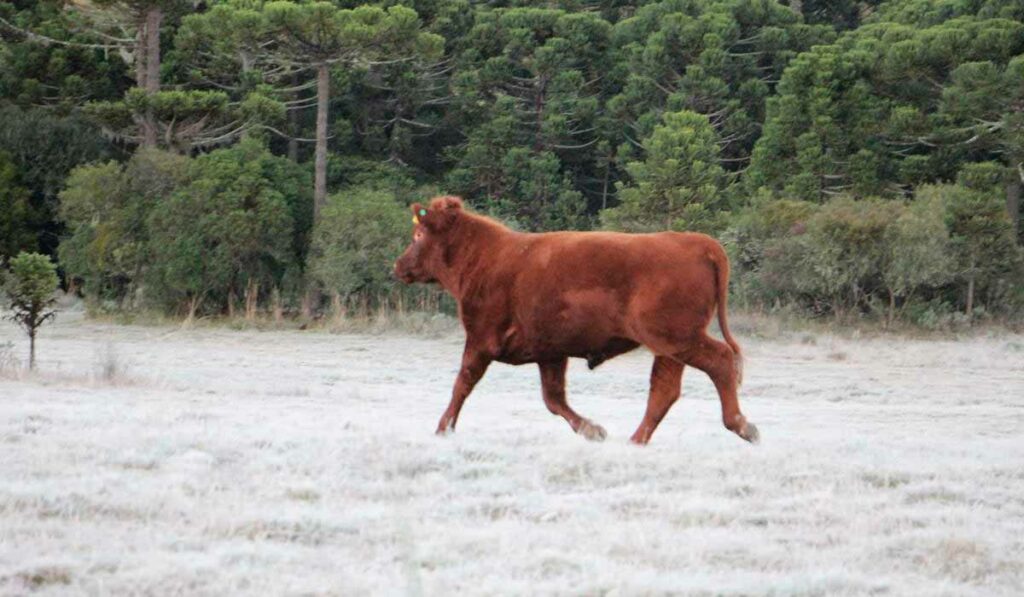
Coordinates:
x,y
318,35
859,158
30,286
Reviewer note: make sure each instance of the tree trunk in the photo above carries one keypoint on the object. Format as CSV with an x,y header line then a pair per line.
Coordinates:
x,y
276,305
147,67
32,350
193,306
337,307
970,297
892,310
293,125
323,80
604,186
140,51
308,299
252,293
293,130
154,17
1013,193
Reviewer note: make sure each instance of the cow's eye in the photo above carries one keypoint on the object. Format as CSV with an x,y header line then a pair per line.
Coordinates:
x,y
417,236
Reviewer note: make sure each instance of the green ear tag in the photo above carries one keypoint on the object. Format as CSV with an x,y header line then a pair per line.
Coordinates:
x,y
423,212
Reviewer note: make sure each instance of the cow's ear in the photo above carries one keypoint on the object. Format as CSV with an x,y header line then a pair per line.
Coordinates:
x,y
418,213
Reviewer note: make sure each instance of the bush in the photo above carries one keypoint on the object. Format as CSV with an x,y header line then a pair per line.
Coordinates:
x,y
917,253
360,234
753,236
229,230
952,246
838,261
105,208
985,261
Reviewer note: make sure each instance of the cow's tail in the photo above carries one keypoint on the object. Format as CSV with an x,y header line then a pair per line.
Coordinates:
x,y
721,261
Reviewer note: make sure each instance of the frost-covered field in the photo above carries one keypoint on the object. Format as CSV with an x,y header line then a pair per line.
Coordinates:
x,y
223,462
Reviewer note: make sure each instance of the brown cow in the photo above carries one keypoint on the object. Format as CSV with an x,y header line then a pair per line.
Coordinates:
x,y
542,298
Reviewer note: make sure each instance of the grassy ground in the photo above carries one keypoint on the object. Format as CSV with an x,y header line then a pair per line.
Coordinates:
x,y
211,461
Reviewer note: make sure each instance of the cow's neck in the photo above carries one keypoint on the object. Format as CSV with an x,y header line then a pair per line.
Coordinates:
x,y
473,241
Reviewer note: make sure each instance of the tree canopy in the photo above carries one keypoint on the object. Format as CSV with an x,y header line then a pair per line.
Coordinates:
x,y
116,117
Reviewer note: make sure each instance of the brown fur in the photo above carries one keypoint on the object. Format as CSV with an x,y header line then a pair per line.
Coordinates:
x,y
543,298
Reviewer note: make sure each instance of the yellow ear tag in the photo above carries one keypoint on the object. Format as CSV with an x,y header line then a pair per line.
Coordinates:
x,y
416,220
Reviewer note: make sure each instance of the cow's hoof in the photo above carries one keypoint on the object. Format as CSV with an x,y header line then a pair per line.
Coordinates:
x,y
445,428
592,431
750,433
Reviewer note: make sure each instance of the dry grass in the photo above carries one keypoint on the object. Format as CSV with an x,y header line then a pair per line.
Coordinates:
x,y
10,364
304,463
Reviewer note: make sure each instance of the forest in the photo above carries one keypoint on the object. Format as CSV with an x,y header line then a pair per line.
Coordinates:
x,y
858,159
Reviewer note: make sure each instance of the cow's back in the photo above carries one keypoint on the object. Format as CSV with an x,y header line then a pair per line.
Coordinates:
x,y
578,292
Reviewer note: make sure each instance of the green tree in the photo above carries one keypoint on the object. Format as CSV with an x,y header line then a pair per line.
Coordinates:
x,y
528,96
228,229
890,106
917,252
318,35
679,184
360,233
30,287
17,216
985,256
718,58
838,261
132,30
984,106
106,207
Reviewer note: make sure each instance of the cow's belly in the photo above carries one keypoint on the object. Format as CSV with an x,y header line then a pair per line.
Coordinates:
x,y
585,325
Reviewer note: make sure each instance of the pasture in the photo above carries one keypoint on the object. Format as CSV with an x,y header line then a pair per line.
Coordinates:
x,y
156,460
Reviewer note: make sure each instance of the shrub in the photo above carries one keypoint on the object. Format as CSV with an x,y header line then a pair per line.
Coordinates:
x,y
752,238
985,258
30,287
917,253
229,229
836,263
105,207
360,234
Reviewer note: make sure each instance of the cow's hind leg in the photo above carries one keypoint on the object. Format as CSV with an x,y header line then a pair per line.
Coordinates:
x,y
552,380
718,360
666,381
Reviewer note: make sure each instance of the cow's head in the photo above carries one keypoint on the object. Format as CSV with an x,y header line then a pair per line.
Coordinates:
x,y
426,258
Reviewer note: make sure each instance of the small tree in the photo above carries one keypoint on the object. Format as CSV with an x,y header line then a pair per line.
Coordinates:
x,y
30,286
678,184
838,261
230,228
359,235
916,253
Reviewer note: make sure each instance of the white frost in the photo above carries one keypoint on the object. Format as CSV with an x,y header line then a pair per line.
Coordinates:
x,y
224,462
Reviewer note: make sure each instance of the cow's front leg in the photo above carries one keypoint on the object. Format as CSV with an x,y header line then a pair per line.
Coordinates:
x,y
474,364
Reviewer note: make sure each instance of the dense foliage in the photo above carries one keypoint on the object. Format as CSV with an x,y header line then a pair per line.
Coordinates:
x,y
858,158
